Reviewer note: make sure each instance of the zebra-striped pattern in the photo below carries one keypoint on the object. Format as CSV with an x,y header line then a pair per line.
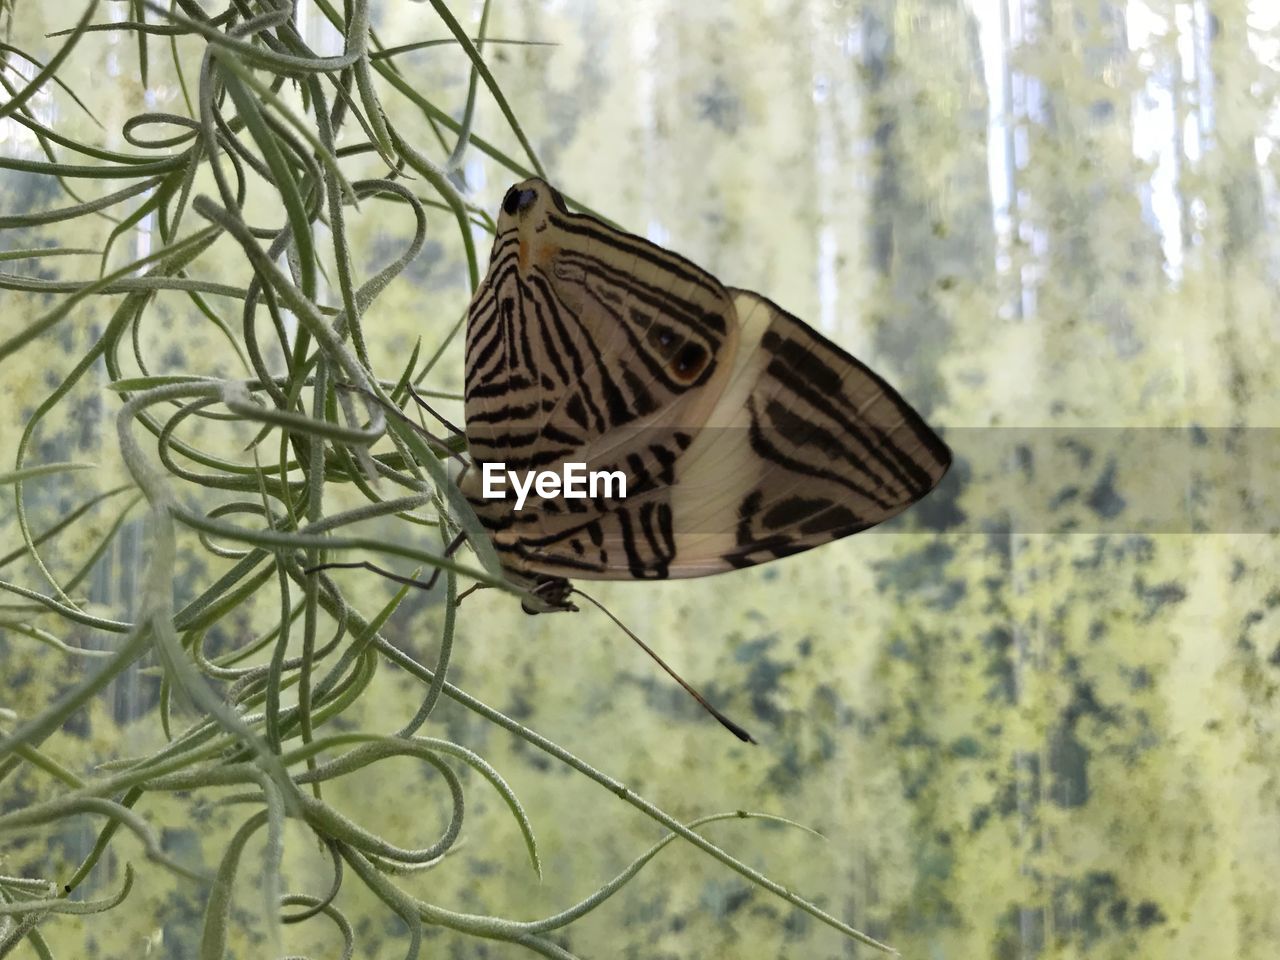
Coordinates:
x,y
744,434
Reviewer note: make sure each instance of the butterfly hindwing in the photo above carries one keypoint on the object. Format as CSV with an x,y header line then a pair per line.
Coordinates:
x,y
806,445
743,434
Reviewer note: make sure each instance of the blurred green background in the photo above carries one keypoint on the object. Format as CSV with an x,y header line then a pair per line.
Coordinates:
x,y
1042,732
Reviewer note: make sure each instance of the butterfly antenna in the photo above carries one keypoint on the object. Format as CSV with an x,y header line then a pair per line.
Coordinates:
x,y
725,722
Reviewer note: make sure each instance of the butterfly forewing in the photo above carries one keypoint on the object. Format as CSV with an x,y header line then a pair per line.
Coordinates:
x,y
590,346
742,433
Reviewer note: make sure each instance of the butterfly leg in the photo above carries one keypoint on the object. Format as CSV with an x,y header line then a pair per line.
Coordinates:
x,y
552,590
374,568
466,464
427,584
427,407
441,446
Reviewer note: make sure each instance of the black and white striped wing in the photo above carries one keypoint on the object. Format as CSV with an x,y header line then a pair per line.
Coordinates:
x,y
744,434
585,345
818,447
805,445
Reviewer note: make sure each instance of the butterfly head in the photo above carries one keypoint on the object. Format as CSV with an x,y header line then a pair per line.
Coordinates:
x,y
526,214
549,594
527,204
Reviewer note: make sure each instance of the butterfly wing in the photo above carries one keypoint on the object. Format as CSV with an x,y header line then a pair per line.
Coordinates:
x,y
584,345
778,441
806,445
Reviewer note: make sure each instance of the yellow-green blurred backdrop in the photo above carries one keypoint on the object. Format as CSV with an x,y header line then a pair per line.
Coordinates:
x,y
1043,732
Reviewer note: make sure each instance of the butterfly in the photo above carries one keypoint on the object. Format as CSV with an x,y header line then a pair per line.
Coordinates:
x,y
741,434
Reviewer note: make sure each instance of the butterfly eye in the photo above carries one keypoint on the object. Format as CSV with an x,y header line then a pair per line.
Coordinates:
x,y
518,200
690,361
